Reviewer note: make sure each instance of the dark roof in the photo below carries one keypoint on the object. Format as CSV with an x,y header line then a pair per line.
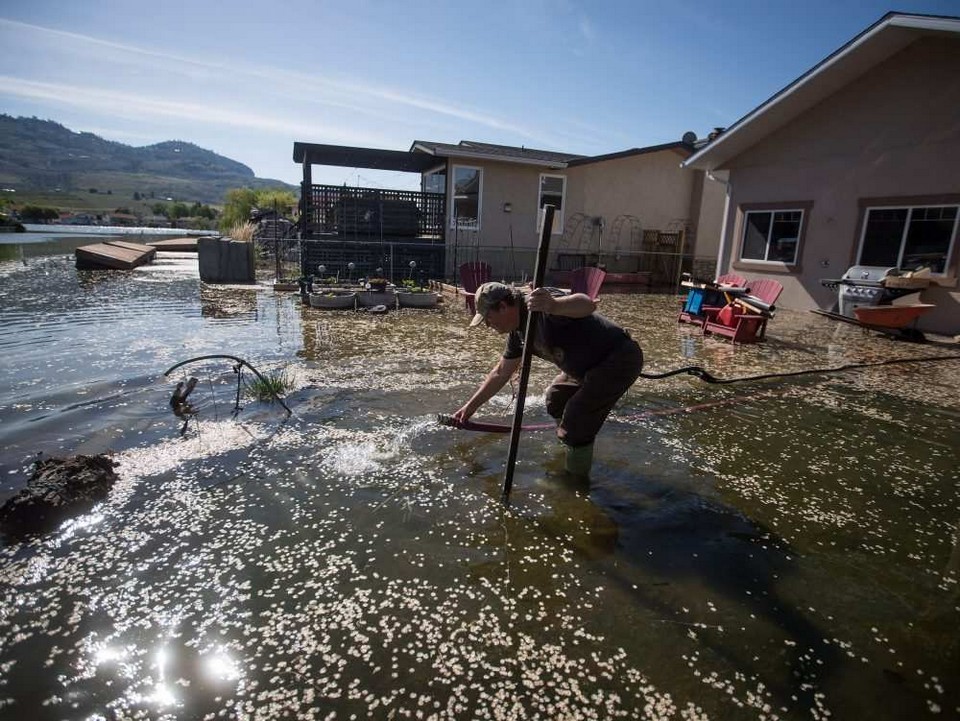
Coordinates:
x,y
680,146
490,151
374,158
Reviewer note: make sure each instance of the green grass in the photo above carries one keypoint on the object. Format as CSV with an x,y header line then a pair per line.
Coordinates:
x,y
270,386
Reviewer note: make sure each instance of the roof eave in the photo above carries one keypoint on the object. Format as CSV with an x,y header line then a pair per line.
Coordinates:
x,y
868,49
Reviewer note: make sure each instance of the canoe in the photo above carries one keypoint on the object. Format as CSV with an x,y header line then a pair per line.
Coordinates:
x,y
891,316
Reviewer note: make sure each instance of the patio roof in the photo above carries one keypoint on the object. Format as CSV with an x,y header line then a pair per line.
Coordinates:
x,y
474,150
374,158
881,40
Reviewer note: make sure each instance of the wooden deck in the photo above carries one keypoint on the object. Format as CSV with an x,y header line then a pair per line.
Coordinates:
x,y
113,254
180,245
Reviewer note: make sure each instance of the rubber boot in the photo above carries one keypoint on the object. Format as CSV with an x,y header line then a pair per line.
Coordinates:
x,y
579,459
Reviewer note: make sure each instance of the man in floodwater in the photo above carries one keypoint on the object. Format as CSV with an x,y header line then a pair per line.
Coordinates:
x,y
597,358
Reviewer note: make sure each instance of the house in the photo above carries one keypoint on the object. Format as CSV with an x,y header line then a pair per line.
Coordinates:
x,y
854,163
635,212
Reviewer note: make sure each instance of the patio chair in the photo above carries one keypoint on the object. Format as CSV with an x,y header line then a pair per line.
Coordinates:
x,y
741,320
472,276
693,312
587,280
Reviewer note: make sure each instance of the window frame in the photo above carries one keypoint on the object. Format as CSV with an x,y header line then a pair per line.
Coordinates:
x,y
910,205
558,216
454,225
439,170
804,207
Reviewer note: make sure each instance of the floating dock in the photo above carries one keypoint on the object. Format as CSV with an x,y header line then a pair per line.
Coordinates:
x,y
178,245
113,254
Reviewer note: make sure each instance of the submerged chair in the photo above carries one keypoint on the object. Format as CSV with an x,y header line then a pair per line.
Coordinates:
x,y
472,276
691,307
745,319
587,280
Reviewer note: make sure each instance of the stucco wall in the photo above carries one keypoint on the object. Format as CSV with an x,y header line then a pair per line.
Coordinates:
x,y
894,132
650,186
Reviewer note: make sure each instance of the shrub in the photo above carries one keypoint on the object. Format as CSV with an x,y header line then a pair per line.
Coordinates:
x,y
243,232
271,385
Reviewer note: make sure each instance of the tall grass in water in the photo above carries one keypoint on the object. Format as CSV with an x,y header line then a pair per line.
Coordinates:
x,y
243,232
270,386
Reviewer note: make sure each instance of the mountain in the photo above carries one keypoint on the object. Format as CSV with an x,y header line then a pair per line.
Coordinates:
x,y
43,157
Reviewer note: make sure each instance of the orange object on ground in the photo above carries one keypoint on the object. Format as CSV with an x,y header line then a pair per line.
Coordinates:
x,y
891,316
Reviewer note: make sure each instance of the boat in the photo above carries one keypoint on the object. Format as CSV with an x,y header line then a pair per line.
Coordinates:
x,y
334,300
410,299
891,316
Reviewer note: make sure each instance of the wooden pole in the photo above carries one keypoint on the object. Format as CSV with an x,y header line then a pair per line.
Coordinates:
x,y
538,273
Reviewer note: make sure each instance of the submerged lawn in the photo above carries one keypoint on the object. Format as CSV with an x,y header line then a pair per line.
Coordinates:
x,y
782,549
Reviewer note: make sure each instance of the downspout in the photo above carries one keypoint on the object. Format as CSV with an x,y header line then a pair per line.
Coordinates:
x,y
722,251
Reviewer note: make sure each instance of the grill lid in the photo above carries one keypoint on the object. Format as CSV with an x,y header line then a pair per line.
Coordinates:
x,y
867,274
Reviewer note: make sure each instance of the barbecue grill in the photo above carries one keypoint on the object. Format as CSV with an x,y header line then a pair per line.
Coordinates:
x,y
866,285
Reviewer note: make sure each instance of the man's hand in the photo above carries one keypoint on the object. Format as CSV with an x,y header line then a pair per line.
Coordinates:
x,y
462,415
541,301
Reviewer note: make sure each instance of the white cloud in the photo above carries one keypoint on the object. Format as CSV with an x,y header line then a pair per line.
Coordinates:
x,y
147,107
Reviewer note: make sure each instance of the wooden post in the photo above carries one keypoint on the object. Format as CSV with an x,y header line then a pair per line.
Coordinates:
x,y
538,273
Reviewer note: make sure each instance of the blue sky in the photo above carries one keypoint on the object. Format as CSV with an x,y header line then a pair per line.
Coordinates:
x,y
571,75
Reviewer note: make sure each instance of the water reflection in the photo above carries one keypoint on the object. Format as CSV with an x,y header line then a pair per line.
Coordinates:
x,y
784,549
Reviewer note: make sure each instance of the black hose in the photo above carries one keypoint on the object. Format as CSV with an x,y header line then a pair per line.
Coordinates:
x,y
705,375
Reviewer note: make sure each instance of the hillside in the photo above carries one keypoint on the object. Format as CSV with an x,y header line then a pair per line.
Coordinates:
x,y
41,159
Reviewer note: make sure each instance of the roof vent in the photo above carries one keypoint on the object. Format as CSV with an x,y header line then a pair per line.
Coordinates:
x,y
689,137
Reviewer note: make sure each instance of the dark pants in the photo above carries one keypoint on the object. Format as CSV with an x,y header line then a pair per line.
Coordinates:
x,y
581,406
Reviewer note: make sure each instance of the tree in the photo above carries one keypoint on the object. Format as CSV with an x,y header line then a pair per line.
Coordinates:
x,y
159,209
136,195
283,200
240,202
237,206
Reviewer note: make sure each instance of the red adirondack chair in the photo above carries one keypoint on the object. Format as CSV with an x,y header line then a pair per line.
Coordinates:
x,y
742,321
472,276
587,280
686,316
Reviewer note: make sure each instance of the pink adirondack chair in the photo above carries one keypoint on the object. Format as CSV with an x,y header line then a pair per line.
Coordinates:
x,y
587,280
686,316
741,321
472,276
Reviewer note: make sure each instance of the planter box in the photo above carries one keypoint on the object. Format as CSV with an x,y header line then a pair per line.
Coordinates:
x,y
340,300
370,298
417,300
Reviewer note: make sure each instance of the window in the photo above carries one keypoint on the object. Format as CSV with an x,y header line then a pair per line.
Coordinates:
x,y
435,182
552,189
771,236
467,185
909,237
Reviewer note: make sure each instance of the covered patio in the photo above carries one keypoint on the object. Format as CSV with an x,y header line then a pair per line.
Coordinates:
x,y
379,231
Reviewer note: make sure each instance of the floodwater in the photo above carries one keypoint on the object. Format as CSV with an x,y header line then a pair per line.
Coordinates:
x,y
776,549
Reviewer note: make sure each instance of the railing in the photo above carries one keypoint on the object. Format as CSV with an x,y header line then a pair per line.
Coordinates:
x,y
372,214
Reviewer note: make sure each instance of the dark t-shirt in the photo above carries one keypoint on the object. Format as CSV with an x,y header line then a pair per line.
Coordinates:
x,y
574,345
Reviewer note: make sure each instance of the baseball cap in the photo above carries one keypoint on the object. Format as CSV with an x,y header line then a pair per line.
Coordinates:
x,y
486,297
